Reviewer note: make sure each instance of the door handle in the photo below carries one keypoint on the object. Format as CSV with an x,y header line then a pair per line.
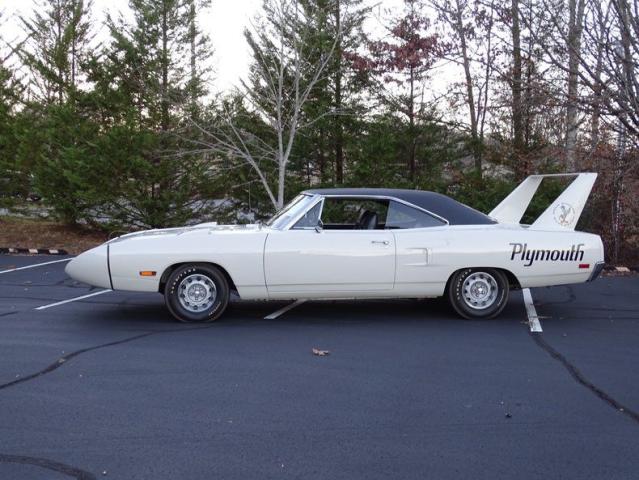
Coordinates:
x,y
380,242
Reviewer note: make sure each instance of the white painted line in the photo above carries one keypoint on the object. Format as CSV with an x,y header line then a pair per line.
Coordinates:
x,y
36,265
533,319
284,309
73,299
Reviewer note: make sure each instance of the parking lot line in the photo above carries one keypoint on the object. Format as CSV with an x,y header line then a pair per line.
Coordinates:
x,y
533,319
43,307
35,265
284,309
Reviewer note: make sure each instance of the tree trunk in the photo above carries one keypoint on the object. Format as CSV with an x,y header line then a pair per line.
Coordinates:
x,y
617,193
281,183
164,89
74,53
527,85
482,107
470,96
192,38
575,25
518,125
339,130
620,166
411,126
596,105
58,60
598,87
321,158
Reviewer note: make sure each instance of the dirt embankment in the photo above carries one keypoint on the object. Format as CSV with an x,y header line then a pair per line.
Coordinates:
x,y
22,233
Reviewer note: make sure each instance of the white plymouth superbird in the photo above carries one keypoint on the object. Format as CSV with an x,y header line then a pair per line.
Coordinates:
x,y
358,243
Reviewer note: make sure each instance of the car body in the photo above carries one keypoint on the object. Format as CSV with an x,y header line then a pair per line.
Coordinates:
x,y
361,243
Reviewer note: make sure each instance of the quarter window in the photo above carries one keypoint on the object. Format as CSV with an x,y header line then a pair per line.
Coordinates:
x,y
310,219
402,216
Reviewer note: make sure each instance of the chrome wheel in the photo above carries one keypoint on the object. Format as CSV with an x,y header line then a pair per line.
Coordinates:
x,y
196,293
479,290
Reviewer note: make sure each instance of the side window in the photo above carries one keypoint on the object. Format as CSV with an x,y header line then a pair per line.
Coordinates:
x,y
347,213
310,218
402,216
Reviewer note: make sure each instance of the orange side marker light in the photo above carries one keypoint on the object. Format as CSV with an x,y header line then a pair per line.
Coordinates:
x,y
147,273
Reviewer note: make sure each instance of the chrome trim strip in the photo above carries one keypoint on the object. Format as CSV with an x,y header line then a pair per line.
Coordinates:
x,y
109,265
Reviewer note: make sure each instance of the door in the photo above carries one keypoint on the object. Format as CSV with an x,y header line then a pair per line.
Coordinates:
x,y
329,263
348,254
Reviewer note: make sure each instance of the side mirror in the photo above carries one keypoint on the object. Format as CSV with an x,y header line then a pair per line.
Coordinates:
x,y
319,227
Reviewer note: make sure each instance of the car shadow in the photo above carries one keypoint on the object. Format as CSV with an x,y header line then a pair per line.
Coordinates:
x,y
153,314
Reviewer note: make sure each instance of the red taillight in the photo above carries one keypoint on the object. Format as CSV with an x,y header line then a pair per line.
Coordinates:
x,y
584,265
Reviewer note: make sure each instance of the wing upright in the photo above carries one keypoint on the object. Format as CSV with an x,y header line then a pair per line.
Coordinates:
x,y
562,214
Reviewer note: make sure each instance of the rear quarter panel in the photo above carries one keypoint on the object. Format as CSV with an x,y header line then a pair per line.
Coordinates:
x,y
426,258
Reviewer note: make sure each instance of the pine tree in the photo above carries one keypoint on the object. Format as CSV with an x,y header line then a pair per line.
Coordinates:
x,y
332,25
149,82
59,34
405,59
13,178
52,126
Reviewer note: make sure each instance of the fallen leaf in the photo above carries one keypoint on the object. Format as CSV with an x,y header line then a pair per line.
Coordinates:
x,y
321,353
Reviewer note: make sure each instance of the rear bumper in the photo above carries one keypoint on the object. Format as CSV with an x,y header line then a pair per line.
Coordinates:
x,y
596,271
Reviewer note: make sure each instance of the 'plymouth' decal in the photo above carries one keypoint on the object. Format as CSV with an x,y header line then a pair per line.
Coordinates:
x,y
521,251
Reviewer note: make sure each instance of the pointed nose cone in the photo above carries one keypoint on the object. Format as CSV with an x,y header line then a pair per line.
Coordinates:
x,y
91,267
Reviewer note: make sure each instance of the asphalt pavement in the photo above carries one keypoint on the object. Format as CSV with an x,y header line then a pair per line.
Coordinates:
x,y
109,386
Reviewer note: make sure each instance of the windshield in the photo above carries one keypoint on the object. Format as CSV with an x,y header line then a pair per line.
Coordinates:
x,y
291,210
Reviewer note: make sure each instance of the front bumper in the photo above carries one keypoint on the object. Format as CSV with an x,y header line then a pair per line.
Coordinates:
x,y
91,267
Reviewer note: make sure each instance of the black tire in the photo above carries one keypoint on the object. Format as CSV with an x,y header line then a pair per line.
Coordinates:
x,y
457,297
206,274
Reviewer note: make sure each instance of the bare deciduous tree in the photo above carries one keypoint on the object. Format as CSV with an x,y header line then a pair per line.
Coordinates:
x,y
575,25
282,80
471,25
605,61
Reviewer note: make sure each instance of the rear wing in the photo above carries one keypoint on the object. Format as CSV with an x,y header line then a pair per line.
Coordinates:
x,y
562,214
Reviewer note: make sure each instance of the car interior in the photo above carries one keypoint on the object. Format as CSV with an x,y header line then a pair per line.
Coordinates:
x,y
341,213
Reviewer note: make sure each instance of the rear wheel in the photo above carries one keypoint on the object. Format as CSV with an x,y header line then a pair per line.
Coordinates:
x,y
196,293
478,292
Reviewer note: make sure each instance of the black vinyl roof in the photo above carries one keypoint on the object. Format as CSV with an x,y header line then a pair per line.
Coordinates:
x,y
456,213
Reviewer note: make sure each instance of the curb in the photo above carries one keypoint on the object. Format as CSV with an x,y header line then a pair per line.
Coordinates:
x,y
33,251
612,270
620,268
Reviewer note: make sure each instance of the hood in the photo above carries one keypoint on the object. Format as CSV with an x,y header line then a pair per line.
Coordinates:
x,y
206,228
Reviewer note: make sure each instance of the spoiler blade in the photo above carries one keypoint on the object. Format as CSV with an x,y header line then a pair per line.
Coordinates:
x,y
512,208
562,214
565,211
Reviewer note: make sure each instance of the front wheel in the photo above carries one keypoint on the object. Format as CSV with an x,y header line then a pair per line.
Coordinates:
x,y
196,293
478,292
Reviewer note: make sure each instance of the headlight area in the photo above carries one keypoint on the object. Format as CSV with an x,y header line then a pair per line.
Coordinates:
x,y
91,267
